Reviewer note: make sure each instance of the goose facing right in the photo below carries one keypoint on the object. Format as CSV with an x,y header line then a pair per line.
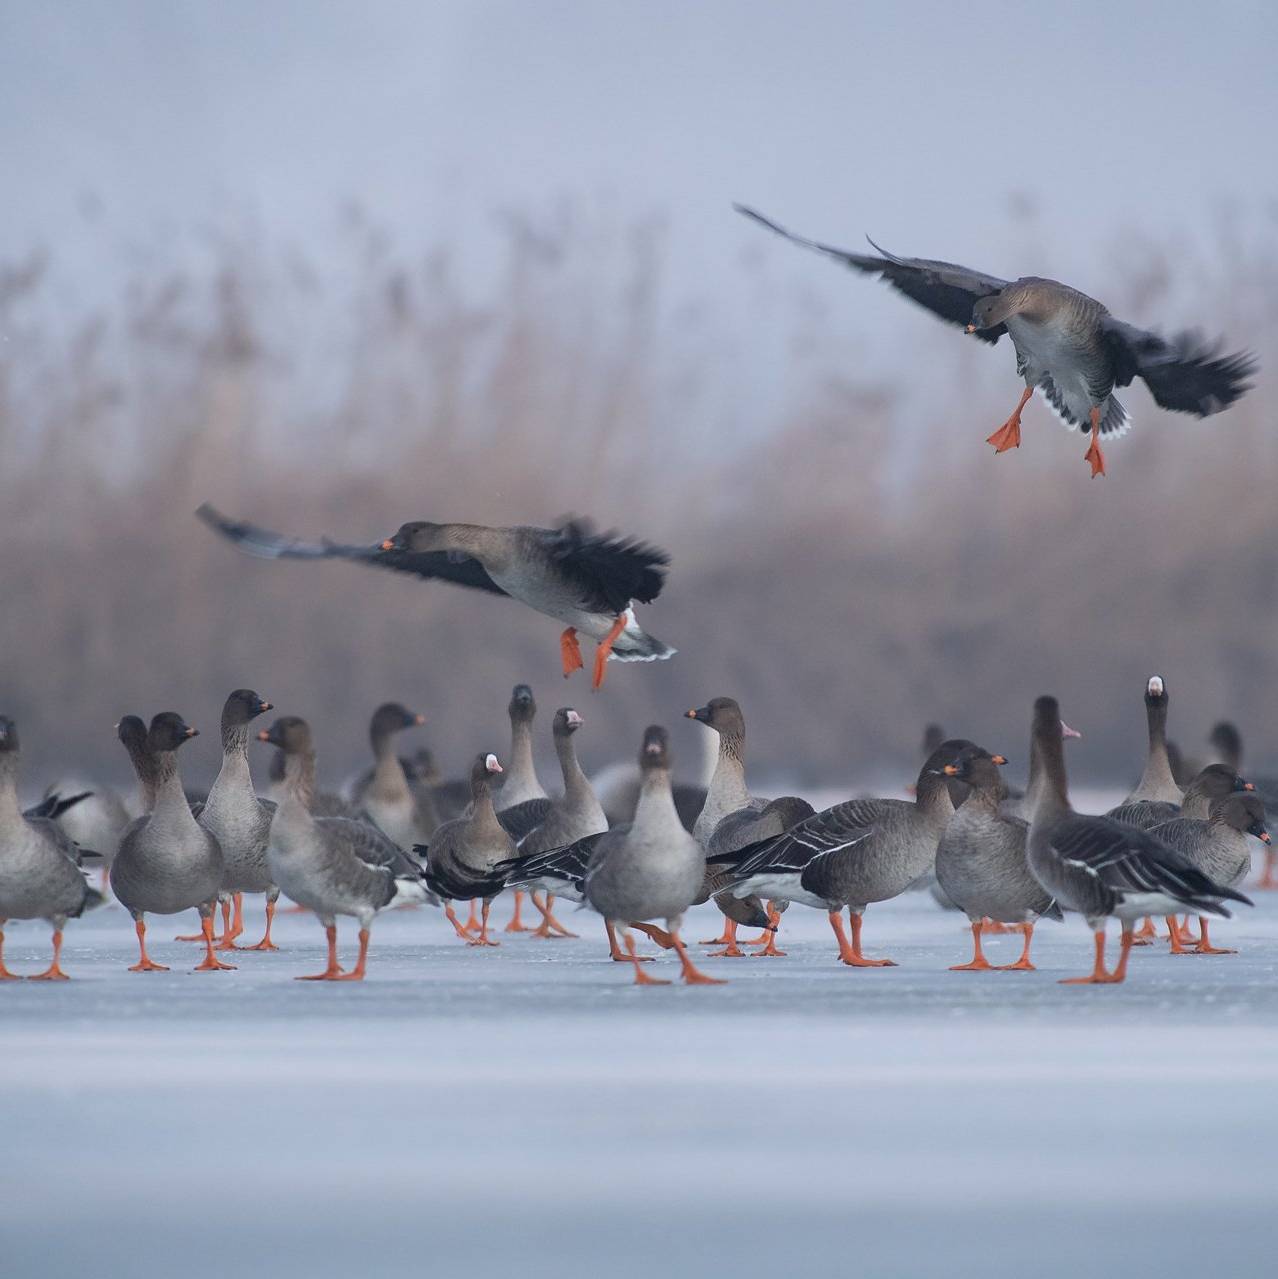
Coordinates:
x,y
1101,868
40,877
1068,346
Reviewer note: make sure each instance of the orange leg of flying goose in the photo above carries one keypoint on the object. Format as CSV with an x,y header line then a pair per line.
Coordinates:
x,y
483,938
517,924
1204,946
5,974
692,976
605,647
266,943
236,926
549,928
570,651
1008,436
978,962
733,951
641,977
333,970
1022,965
54,971
1094,454
357,973
210,963
145,964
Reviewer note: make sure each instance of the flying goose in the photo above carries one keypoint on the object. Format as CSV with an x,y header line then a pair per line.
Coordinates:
x,y
167,862
240,822
332,865
1068,346
653,870
1219,847
855,853
1101,868
980,861
40,875
590,582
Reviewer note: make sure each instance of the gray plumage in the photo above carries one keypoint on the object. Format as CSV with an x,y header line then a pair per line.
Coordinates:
x,y
1214,782
464,854
576,813
408,816
980,860
1219,845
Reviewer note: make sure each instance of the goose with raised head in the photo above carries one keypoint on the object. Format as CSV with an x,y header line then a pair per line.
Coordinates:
x,y
407,816
653,870
167,862
855,853
588,581
1216,781
1219,845
728,795
40,876
1068,346
332,865
980,861
240,821
1102,868
463,855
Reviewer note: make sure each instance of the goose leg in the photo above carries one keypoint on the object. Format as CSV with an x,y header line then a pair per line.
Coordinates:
x,y
995,926
1120,973
266,943
605,647
54,971
733,951
1176,935
725,938
641,977
663,939
472,921
1098,973
692,976
458,926
357,973
333,970
226,923
1269,879
1204,946
859,960
210,963
615,952
229,934
145,964
769,938
1146,934
1008,436
5,974
1094,454
483,938
978,962
517,924
549,928
1022,965
570,651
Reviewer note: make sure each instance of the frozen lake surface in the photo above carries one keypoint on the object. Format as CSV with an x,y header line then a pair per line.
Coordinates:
x,y
526,1108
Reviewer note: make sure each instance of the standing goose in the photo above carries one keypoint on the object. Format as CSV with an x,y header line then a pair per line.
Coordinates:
x,y
40,875
1068,346
1218,845
728,795
332,865
407,816
464,854
980,861
1226,740
654,870
1101,868
518,795
1216,781
167,862
855,853
574,816
240,822
590,582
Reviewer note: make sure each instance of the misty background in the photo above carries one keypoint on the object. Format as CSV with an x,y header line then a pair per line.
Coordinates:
x,y
334,266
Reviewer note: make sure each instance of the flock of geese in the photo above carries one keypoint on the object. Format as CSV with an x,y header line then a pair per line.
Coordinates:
x,y
631,846
400,837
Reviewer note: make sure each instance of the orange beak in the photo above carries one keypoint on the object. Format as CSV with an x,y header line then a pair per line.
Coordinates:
x,y
263,736
950,770
1266,839
999,759
419,719
388,545
690,714
971,328
1248,786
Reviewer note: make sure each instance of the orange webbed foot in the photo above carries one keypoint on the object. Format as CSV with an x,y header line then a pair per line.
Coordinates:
x,y
570,652
1008,436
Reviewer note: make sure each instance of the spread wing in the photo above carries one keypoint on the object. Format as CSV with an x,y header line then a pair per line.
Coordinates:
x,y
608,570
446,566
944,288
834,830
1184,373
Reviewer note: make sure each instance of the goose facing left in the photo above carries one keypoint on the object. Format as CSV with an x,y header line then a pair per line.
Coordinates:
x,y
588,581
40,877
167,862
